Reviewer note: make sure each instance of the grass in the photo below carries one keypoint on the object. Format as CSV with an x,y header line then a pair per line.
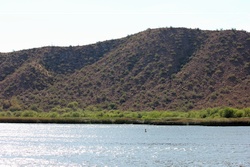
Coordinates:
x,y
211,116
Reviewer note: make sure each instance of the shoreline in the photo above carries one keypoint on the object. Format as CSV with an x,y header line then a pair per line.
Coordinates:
x,y
172,121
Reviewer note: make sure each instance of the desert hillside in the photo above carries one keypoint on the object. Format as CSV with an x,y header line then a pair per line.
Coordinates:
x,y
163,69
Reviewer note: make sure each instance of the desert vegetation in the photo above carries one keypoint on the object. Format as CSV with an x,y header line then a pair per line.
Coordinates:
x,y
164,69
73,114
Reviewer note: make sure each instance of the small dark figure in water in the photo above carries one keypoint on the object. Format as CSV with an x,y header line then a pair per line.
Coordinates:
x,y
145,130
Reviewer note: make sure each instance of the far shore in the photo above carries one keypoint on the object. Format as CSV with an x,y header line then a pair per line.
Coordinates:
x,y
172,121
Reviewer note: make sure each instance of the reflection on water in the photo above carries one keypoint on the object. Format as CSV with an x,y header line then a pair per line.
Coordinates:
x,y
123,145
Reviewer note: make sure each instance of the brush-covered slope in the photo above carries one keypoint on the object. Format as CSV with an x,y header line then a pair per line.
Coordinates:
x,y
167,68
37,69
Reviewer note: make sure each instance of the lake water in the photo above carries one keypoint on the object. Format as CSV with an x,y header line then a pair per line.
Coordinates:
x,y
123,145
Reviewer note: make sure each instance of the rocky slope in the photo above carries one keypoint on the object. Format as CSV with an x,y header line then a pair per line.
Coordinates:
x,y
165,68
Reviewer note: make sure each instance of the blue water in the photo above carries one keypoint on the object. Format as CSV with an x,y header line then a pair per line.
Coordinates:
x,y
123,145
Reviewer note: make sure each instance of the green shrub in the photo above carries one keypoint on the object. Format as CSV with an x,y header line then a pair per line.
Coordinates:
x,y
29,113
100,114
246,112
92,108
34,107
130,114
167,114
7,114
112,106
75,114
213,112
53,115
66,115
73,105
239,113
139,115
193,114
203,114
2,114
15,106
60,110
17,113
152,115
228,112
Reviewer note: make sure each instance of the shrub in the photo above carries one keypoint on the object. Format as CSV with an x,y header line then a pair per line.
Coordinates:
x,y
112,106
73,105
5,114
6,104
246,112
225,90
203,114
175,114
130,114
232,78
29,113
66,115
213,112
100,114
239,113
15,108
58,109
17,113
247,67
75,114
92,108
53,115
214,95
153,115
228,112
34,107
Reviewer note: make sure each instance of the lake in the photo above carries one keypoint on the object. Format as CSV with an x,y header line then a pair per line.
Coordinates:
x,y
123,145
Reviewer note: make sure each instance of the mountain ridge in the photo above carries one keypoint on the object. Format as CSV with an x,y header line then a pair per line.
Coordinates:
x,y
163,69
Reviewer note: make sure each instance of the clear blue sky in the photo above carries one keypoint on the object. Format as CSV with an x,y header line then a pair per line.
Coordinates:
x,y
35,23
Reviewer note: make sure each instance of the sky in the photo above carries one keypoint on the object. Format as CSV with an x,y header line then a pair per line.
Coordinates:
x,y
28,24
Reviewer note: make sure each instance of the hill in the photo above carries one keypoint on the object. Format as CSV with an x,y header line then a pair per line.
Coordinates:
x,y
163,69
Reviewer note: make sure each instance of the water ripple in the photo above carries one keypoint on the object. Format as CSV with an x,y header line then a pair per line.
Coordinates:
x,y
122,145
